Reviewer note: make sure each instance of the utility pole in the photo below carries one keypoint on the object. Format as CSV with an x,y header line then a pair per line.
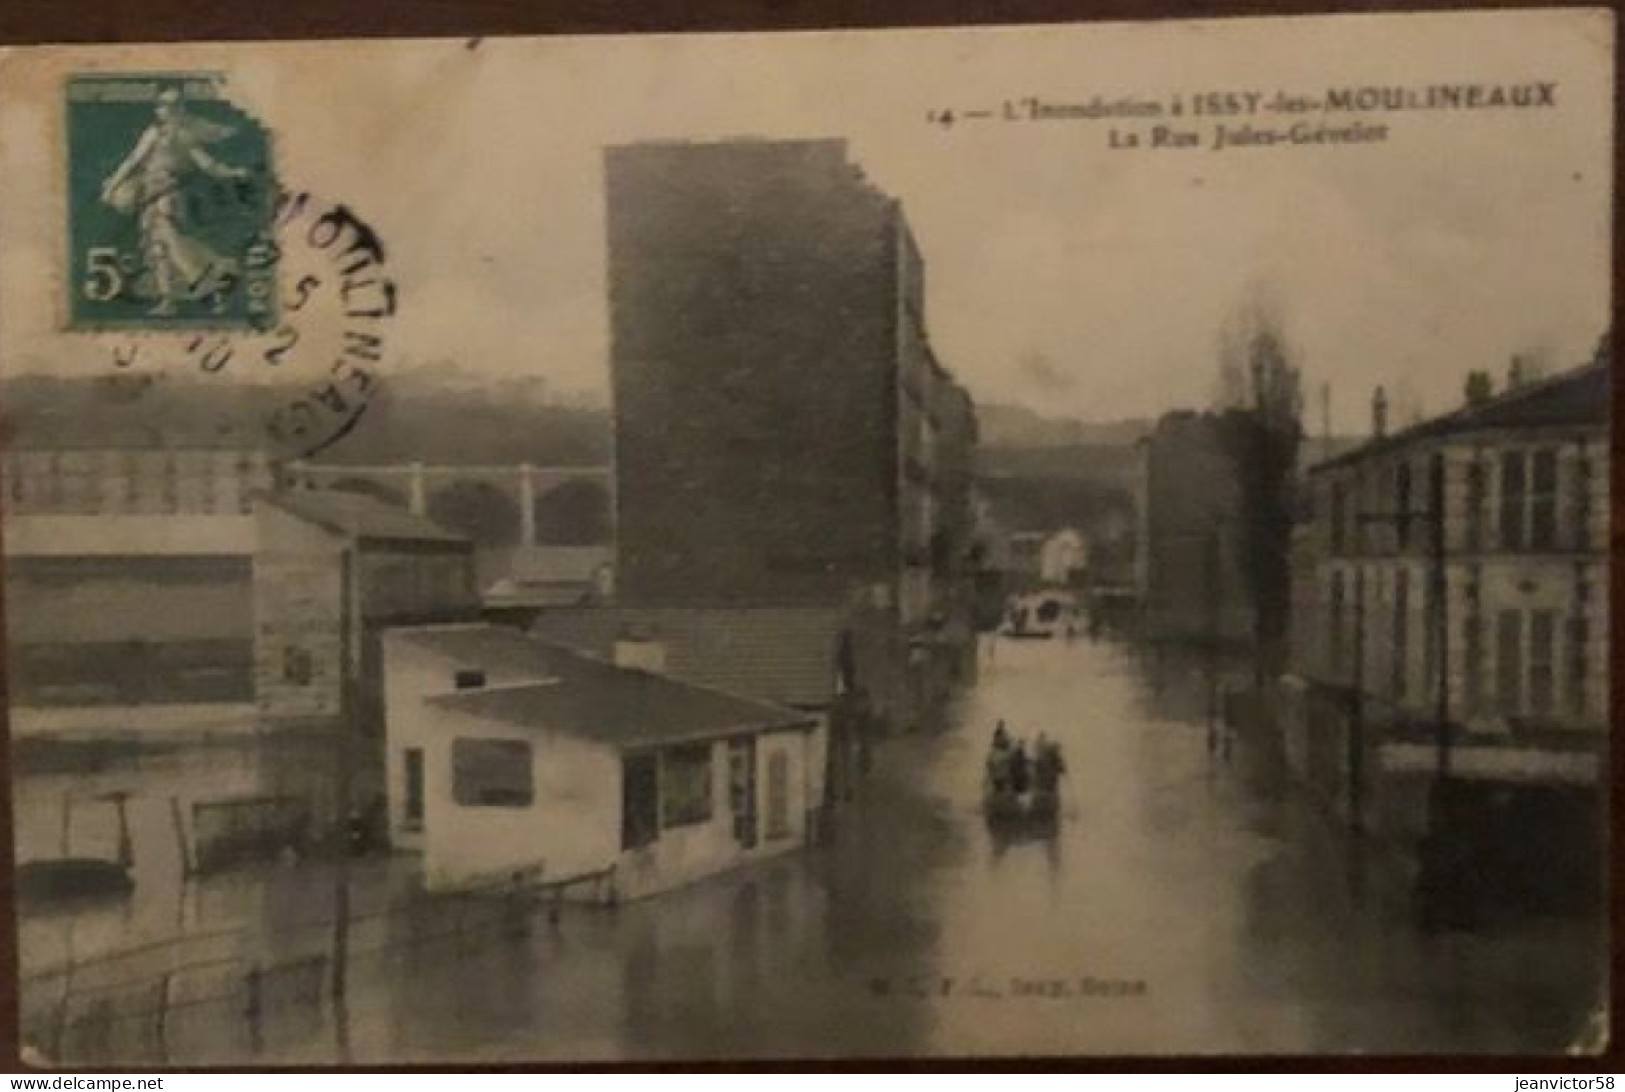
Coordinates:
x,y
1213,601
1441,611
1356,736
344,773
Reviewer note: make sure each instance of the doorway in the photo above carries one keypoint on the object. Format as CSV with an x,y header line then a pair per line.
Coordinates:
x,y
742,789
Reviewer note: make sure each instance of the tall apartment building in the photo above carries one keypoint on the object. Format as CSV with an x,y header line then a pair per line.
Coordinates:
x,y
785,434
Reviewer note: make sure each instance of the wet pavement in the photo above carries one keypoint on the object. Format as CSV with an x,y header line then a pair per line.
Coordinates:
x,y
1175,909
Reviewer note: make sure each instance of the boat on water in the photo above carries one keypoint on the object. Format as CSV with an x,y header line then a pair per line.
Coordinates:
x,y
1021,793
1041,616
1033,809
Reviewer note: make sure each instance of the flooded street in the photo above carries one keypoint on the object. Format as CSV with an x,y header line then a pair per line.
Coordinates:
x,y
1176,909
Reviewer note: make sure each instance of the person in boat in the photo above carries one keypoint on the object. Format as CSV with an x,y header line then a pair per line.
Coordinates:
x,y
1047,764
1020,768
998,759
998,769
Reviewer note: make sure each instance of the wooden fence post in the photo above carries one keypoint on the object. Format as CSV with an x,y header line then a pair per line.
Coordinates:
x,y
255,1009
161,1019
178,820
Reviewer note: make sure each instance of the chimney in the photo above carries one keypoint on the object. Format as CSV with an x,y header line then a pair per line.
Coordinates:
x,y
639,652
1524,369
1379,413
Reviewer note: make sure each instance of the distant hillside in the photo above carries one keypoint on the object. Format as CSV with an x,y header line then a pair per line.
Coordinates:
x,y
413,416
1106,464
1005,425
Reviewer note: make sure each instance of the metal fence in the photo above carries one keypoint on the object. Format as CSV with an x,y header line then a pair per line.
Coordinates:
x,y
249,993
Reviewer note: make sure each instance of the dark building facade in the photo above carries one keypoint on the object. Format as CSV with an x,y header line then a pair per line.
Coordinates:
x,y
1193,584
784,432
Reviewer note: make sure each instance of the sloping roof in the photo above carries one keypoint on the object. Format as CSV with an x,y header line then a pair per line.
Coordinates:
x,y
1579,396
359,516
591,698
780,654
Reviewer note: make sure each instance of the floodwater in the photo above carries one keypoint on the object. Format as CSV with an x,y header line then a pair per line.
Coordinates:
x,y
1176,908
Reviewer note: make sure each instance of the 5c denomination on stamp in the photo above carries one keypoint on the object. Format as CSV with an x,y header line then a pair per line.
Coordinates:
x,y
170,201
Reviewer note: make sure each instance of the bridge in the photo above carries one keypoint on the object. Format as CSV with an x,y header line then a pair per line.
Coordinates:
x,y
498,507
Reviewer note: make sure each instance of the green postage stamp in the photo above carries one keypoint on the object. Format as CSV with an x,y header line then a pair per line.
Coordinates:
x,y
171,198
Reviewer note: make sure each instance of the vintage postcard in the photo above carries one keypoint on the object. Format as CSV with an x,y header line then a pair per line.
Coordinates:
x,y
1067,540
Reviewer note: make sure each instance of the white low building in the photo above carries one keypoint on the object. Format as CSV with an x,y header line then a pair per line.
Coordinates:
x,y
511,755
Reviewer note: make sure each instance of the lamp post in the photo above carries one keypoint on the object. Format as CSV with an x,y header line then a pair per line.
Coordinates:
x,y
1441,617
345,733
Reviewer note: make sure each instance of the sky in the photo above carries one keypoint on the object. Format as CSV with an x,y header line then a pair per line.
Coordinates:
x,y
1061,274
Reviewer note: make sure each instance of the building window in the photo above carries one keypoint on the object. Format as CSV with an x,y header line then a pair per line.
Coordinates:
x,y
1582,502
742,789
640,800
1430,637
412,788
169,492
1402,505
1475,504
1472,654
1513,495
1543,500
298,666
134,469
491,773
1334,643
685,785
1339,518
1579,640
1509,661
1542,661
470,678
206,483
1402,629
1528,507
1437,508
778,795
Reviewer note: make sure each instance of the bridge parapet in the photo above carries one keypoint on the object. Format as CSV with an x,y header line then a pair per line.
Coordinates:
x,y
511,492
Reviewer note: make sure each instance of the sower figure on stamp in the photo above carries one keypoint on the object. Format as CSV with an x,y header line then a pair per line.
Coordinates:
x,y
151,182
